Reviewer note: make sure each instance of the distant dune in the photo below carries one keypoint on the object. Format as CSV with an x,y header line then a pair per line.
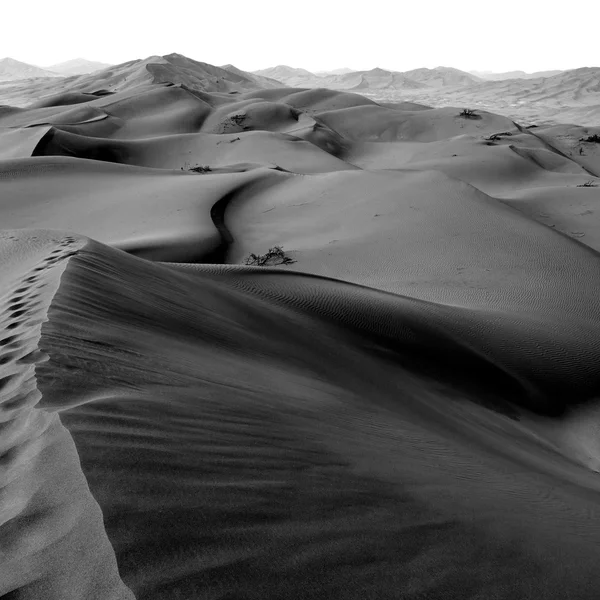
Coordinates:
x,y
77,66
341,71
442,77
261,342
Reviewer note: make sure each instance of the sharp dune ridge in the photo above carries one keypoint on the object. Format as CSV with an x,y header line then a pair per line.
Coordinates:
x,y
406,408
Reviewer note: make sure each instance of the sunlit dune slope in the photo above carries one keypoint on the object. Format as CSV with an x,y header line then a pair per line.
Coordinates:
x,y
143,210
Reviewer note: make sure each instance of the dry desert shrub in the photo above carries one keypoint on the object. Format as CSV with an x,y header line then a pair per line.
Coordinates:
x,y
498,136
594,139
275,256
197,169
469,113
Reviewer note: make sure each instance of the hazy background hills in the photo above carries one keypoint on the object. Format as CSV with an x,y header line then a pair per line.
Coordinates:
x,y
77,66
513,74
13,70
547,96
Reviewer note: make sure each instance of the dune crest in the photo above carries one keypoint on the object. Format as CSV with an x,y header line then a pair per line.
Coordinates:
x,y
49,518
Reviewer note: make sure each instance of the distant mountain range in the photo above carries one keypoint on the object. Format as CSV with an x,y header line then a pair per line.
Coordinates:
x,y
439,77
77,66
287,75
566,87
341,71
13,70
565,96
345,79
572,96
491,76
173,69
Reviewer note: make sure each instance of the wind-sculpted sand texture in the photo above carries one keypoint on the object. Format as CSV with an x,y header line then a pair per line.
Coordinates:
x,y
409,409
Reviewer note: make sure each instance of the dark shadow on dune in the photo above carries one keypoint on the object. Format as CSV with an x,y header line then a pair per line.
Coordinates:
x,y
220,473
217,214
62,143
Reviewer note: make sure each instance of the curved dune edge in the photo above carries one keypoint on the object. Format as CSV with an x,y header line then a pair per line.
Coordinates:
x,y
328,449
48,518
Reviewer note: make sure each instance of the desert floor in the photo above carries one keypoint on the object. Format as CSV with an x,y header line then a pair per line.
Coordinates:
x,y
408,409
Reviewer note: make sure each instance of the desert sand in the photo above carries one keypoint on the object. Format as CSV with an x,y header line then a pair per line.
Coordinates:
x,y
406,409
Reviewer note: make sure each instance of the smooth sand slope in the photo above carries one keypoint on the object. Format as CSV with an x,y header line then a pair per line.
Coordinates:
x,y
409,410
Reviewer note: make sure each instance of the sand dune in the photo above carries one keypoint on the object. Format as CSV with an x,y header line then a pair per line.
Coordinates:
x,y
376,123
186,151
408,409
106,201
172,69
20,142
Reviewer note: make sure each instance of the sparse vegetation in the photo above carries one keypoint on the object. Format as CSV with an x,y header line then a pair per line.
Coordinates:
x,y
233,123
592,139
197,168
237,119
498,136
590,183
468,113
275,256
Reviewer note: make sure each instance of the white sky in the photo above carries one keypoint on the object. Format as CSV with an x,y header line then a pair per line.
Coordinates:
x,y
495,35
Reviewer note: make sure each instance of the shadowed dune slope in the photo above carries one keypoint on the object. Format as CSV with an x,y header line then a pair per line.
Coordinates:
x,y
20,143
312,473
52,538
64,99
163,213
158,111
572,141
185,151
426,236
319,99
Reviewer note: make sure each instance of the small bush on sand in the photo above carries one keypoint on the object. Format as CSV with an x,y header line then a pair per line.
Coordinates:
x,y
594,139
590,183
197,168
468,113
275,256
238,119
498,136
